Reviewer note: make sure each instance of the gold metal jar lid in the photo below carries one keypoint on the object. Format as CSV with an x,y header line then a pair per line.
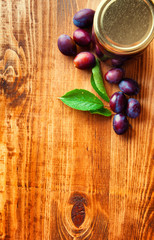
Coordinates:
x,y
124,26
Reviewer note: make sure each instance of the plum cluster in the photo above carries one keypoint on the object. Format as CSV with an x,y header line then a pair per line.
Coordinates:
x,y
118,101
81,37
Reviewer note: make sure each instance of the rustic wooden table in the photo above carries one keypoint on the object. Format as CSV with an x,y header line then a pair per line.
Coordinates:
x,y
54,159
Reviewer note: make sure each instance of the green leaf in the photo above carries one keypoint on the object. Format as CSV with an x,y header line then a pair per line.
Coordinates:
x,y
102,111
81,99
98,80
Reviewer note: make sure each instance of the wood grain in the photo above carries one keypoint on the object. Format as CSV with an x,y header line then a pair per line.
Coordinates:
x,y
65,174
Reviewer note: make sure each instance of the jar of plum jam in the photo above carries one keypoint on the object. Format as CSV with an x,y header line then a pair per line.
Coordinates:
x,y
124,28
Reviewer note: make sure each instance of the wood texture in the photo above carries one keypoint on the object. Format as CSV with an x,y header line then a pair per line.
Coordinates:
x,y
56,162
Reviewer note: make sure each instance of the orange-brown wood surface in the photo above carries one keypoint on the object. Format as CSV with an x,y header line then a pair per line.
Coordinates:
x,y
65,174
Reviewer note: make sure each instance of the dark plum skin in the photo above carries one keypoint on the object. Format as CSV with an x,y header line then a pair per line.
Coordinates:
x,y
118,102
114,75
120,123
67,45
98,52
84,18
133,108
129,86
82,37
84,60
93,37
116,62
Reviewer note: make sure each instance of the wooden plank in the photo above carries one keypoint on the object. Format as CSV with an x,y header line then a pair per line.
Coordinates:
x,y
54,159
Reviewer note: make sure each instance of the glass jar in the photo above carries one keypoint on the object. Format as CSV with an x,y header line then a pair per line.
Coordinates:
x,y
124,28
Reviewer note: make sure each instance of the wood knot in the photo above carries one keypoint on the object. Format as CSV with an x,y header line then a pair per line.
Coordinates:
x,y
78,210
13,75
9,74
76,216
81,216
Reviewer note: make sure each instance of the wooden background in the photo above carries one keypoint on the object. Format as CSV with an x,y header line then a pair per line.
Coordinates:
x,y
54,159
